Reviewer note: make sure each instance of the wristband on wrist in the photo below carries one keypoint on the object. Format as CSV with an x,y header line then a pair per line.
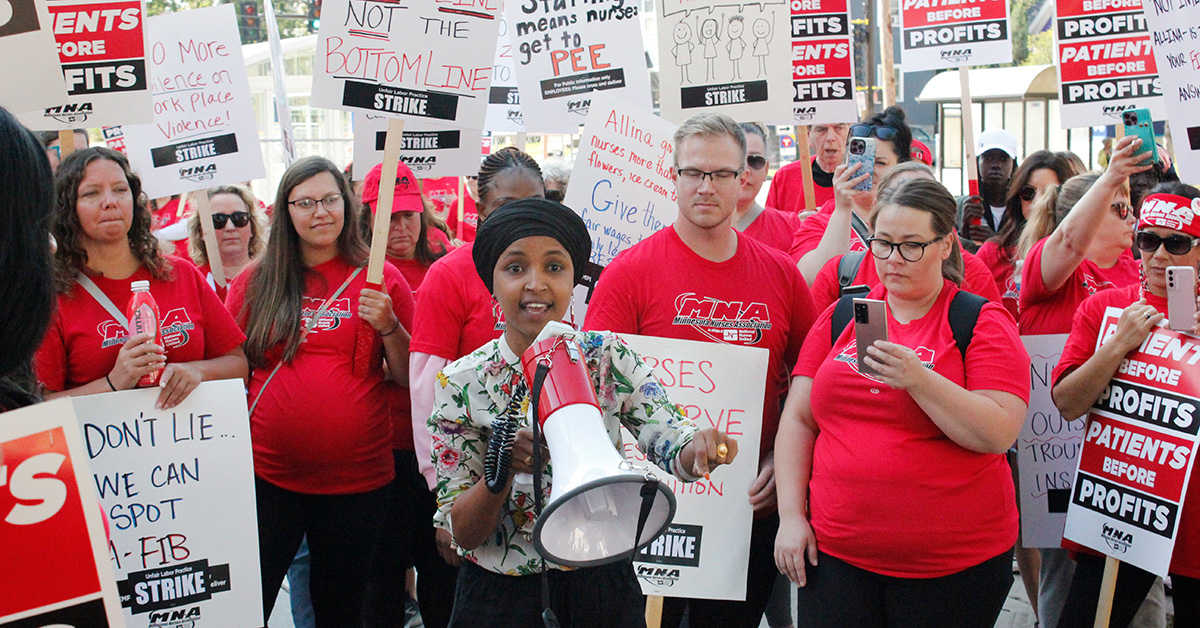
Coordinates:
x,y
391,332
110,384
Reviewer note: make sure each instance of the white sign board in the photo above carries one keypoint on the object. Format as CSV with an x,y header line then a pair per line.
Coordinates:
x,y
1175,31
102,47
407,58
283,112
706,550
431,151
25,34
725,57
204,132
822,63
941,34
1047,450
177,487
504,99
565,53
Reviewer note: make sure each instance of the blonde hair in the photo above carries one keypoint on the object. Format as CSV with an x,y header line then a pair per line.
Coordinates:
x,y
196,248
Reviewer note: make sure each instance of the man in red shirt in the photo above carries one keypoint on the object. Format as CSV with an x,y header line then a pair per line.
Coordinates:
x,y
827,142
719,286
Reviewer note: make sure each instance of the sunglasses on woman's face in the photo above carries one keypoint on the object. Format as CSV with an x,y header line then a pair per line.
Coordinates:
x,y
240,219
1027,193
867,130
1123,210
1175,244
756,162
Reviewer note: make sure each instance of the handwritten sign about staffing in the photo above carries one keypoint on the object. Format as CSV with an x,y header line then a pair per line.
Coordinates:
x,y
55,568
102,47
26,34
407,58
1175,30
204,132
725,57
705,551
939,34
504,98
822,63
177,487
1047,450
566,52
430,151
1105,63
1138,451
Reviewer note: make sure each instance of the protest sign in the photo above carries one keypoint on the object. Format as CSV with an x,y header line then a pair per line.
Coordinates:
x,y
565,53
1174,27
25,35
822,63
1138,451
429,150
204,132
725,57
114,138
504,100
102,48
55,569
283,112
940,34
177,487
407,58
1105,66
1047,450
705,551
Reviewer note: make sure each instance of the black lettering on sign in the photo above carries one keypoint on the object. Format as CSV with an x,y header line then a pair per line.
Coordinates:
x,y
1140,404
679,545
170,587
1135,508
1084,27
22,17
916,38
835,89
1115,89
409,102
728,94
504,96
819,25
193,150
560,87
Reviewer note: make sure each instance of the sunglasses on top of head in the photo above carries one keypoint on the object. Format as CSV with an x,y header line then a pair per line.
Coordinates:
x,y
867,130
240,219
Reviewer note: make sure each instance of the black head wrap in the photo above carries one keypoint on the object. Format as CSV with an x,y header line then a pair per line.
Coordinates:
x,y
526,218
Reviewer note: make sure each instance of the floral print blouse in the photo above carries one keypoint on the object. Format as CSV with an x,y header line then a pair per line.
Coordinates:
x,y
475,390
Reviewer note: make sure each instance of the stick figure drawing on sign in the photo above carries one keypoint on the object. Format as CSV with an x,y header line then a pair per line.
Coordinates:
x,y
710,34
682,51
736,46
762,42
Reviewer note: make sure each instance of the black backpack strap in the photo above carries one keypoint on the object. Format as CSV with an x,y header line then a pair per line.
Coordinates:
x,y
963,314
848,269
860,228
843,313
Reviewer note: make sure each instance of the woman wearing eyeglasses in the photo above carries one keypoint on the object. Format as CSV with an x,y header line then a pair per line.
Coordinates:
x,y
320,427
1168,235
1038,171
772,227
238,226
1087,252
897,507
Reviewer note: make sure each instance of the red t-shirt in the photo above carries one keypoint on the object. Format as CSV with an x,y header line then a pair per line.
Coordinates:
x,y
318,428
1000,263
443,191
1081,346
758,287
787,189
413,270
1045,312
170,213
890,492
976,280
83,340
455,312
810,232
398,399
774,228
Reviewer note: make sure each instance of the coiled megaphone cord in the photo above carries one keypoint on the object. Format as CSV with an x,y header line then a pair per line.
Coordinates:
x,y
497,462
539,378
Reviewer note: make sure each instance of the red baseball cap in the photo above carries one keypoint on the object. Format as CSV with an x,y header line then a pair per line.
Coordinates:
x,y
921,152
407,197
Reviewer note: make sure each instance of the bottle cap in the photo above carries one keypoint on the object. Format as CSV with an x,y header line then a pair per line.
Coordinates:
x,y
140,286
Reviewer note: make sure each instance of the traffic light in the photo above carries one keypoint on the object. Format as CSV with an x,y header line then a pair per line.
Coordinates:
x,y
314,16
249,22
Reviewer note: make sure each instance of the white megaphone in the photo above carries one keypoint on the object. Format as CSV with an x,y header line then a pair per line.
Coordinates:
x,y
598,501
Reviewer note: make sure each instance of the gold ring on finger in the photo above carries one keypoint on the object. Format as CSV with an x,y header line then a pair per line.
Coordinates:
x,y
722,450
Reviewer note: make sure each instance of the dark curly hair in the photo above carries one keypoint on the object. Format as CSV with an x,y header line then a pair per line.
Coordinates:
x,y
71,256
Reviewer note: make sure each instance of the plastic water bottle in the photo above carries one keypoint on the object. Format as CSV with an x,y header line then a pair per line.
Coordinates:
x,y
143,318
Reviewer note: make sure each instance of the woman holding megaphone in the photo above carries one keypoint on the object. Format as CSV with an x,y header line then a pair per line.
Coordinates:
x,y
529,254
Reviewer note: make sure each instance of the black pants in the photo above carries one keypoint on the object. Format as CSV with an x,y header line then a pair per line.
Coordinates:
x,y
593,597
342,531
760,581
839,594
1132,586
408,541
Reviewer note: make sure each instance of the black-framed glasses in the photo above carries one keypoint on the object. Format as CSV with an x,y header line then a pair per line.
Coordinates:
x,y
696,176
240,219
1027,193
756,162
909,251
333,202
1149,242
867,130
1123,209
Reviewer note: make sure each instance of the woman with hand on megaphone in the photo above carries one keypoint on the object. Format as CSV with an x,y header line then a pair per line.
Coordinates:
x,y
530,253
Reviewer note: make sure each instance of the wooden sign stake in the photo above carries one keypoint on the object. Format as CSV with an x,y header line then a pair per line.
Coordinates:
x,y
1108,586
520,140
654,609
968,130
211,248
889,63
66,143
810,195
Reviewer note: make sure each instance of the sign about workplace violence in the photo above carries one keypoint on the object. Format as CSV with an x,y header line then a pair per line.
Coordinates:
x,y
429,150
55,569
504,98
177,487
1175,30
566,51
407,58
725,57
941,34
26,34
1047,449
1105,62
822,63
102,48
705,550
1138,451
204,132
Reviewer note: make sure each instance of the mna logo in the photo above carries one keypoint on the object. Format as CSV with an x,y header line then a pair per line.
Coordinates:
x,y
1119,541
70,114
1114,111
658,576
419,163
177,618
804,113
198,173
957,55
580,107
515,115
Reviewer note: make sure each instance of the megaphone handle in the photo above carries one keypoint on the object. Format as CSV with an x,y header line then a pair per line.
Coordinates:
x,y
539,378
